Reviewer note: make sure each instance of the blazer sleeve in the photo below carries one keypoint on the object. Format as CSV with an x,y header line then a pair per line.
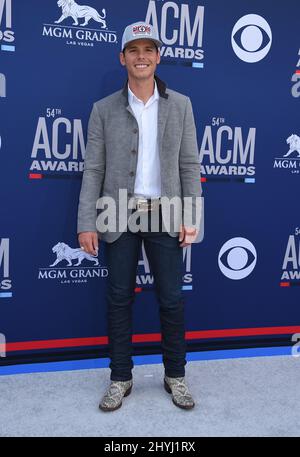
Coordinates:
x,y
189,168
93,174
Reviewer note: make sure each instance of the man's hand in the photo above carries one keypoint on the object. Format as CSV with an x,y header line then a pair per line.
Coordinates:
x,y
88,241
187,235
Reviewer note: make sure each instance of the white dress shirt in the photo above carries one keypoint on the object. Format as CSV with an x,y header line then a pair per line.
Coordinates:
x,y
147,180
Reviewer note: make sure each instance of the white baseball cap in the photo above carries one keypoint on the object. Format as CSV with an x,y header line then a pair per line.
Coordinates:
x,y
140,30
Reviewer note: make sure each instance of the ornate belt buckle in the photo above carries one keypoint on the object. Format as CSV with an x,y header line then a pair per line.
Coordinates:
x,y
143,205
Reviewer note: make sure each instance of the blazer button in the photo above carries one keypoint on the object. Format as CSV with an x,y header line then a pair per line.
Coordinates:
x,y
133,151
131,173
135,130
129,194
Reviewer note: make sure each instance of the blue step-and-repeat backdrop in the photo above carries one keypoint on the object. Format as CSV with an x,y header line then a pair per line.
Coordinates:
x,y
239,62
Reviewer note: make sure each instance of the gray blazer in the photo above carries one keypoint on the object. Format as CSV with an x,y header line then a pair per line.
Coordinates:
x,y
111,154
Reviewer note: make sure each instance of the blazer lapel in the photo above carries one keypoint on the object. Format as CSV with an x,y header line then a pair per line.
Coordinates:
x,y
163,110
128,107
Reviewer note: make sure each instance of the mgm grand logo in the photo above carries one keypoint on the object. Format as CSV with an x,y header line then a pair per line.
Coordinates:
x,y
291,159
72,265
79,25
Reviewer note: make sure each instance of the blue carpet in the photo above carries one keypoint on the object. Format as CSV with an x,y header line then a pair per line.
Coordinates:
x,y
143,360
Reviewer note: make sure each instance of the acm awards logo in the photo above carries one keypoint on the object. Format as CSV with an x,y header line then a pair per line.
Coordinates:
x,y
80,24
5,280
296,79
290,161
290,275
180,27
72,266
145,280
7,35
227,153
58,146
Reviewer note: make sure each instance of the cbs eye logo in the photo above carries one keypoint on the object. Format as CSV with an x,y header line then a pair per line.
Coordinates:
x,y
251,38
237,258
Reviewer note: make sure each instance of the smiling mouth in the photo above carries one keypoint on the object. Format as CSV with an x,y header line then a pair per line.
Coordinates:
x,y
142,65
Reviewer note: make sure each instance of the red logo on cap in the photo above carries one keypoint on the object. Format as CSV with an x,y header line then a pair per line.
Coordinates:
x,y
141,29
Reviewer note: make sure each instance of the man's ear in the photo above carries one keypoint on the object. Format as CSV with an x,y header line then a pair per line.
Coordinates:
x,y
122,59
158,56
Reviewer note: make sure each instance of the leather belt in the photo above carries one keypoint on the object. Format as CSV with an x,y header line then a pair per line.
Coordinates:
x,y
146,204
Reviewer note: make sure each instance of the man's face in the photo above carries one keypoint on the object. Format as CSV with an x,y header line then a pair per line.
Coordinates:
x,y
140,58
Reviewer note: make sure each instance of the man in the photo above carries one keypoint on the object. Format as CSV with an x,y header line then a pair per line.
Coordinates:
x,y
142,139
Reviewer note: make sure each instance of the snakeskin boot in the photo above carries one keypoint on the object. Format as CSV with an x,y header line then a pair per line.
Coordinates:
x,y
113,397
180,393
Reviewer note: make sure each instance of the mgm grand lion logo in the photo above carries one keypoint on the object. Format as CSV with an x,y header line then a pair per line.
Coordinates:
x,y
71,9
64,252
294,142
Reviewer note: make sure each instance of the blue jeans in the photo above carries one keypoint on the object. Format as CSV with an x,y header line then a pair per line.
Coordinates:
x,y
165,259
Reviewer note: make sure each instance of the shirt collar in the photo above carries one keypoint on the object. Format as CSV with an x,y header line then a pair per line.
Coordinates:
x,y
154,96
